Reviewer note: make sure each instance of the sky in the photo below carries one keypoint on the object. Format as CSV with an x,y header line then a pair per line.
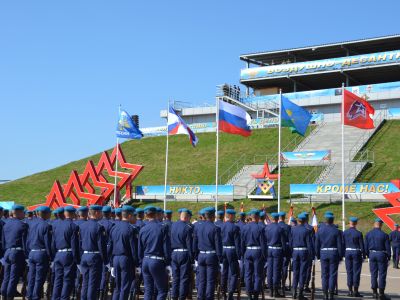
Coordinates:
x,y
65,66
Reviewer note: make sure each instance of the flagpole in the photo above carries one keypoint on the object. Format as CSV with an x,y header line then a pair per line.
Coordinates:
x,y
216,153
166,163
343,205
279,150
116,163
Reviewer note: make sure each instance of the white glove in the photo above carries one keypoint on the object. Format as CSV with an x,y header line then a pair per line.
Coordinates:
x,y
51,265
138,271
265,265
169,270
112,272
108,266
3,261
221,267
79,268
368,259
196,264
240,263
27,261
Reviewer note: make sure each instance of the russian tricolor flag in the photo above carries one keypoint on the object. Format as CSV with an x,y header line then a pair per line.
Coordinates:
x,y
176,125
233,119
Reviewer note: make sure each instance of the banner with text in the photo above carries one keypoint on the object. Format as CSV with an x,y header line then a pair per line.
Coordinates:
x,y
158,190
306,155
353,188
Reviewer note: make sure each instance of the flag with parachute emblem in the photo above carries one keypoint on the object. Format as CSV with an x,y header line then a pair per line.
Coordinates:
x,y
126,128
294,116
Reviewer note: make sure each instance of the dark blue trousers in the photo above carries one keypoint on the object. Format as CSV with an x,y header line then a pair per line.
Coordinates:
x,y
207,271
181,266
396,254
103,278
308,272
64,276
124,271
378,265
353,267
274,271
13,269
230,274
329,269
253,268
92,266
154,277
38,268
299,266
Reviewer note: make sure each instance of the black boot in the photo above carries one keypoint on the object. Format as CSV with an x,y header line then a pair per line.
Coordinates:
x,y
350,293
374,293
307,289
356,293
230,296
277,294
101,294
255,296
326,297
382,295
301,295
283,291
331,295
250,296
271,292
294,293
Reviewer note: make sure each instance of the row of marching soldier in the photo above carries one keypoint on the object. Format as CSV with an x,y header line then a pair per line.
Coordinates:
x,y
91,253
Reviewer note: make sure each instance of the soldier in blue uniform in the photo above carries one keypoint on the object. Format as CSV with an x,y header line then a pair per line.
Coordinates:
x,y
220,218
377,247
107,223
207,246
329,249
312,256
182,255
40,253
353,243
287,255
300,242
83,212
93,253
254,253
123,253
65,245
231,254
154,255
242,220
394,238
118,214
275,238
140,218
168,219
14,244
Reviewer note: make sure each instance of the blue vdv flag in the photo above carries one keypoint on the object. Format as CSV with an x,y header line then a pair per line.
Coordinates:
x,y
294,116
126,128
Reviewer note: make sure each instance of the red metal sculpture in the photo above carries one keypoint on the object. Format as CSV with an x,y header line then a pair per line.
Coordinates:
x,y
384,213
92,185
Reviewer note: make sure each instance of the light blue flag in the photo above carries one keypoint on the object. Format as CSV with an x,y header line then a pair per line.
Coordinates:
x,y
126,128
294,116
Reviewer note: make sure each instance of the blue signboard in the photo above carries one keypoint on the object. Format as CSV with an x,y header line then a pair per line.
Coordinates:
x,y
353,188
306,155
158,190
323,65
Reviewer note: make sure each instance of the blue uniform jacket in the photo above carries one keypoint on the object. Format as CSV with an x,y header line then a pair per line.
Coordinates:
x,y
300,237
328,236
123,240
40,235
231,236
207,237
353,239
377,240
92,237
14,235
182,237
253,236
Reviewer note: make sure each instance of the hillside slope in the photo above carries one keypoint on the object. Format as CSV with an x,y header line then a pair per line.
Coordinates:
x,y
187,165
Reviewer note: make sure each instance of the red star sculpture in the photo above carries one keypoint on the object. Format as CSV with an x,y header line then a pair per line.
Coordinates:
x,y
384,213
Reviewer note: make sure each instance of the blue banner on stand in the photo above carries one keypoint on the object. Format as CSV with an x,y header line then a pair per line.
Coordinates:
x,y
306,155
158,190
353,188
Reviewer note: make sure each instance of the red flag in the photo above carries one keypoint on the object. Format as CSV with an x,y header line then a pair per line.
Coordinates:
x,y
241,207
290,214
357,111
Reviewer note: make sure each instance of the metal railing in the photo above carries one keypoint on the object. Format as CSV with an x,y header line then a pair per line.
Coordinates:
x,y
325,172
234,170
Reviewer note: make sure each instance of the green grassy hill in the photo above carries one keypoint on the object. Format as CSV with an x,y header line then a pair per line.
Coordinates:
x,y
385,145
187,165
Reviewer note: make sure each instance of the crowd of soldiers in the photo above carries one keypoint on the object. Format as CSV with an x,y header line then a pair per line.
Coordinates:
x,y
91,253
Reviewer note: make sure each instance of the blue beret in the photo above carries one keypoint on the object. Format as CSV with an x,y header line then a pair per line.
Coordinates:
x,y
56,211
159,210
83,208
255,212
378,220
353,219
128,208
96,207
281,213
396,225
150,209
168,212
242,213
43,208
139,210
262,214
118,210
190,212
17,207
328,215
329,212
302,216
220,213
231,211
209,210
106,209
112,210
70,208
181,210
305,213
293,220
61,209
1,208
275,215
